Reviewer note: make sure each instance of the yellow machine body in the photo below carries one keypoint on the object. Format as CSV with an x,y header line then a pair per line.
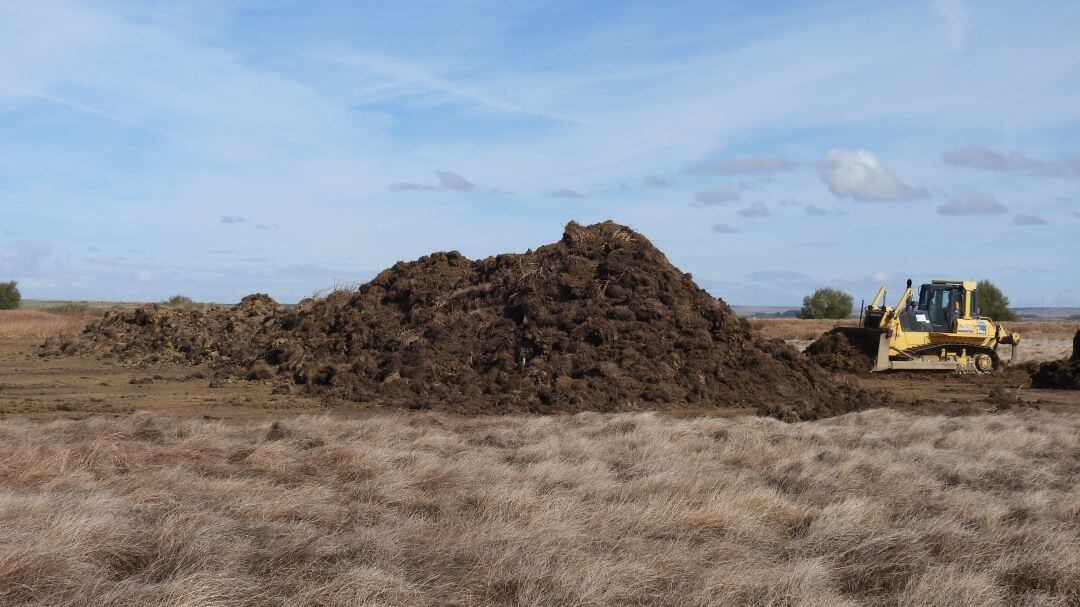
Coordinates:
x,y
940,330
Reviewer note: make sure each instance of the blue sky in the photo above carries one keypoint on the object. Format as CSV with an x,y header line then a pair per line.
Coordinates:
x,y
223,148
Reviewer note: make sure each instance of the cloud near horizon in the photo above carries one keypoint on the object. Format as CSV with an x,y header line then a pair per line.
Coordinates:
x,y
858,174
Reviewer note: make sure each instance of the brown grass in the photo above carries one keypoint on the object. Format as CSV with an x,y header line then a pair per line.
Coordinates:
x,y
877,508
38,324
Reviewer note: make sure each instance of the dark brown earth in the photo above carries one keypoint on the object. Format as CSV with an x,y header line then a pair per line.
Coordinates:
x,y
76,387
599,321
1061,374
846,349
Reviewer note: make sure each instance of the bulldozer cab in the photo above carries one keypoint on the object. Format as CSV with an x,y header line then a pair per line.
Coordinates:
x,y
942,304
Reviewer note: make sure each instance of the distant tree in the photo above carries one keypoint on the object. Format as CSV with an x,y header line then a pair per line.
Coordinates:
x,y
826,303
180,301
10,298
993,303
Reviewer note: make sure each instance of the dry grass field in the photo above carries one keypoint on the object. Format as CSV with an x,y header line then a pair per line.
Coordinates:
x,y
38,324
876,508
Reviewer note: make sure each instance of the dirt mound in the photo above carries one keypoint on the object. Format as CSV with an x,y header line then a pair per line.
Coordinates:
x,y
1061,374
598,321
848,349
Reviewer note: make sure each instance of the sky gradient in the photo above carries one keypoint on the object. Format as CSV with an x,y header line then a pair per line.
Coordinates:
x,y
224,148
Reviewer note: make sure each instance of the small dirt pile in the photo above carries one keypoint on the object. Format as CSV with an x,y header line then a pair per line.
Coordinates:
x,y
1061,374
599,321
847,349
153,333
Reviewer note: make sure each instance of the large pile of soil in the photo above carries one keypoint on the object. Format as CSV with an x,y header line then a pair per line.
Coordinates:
x,y
599,321
1062,374
847,349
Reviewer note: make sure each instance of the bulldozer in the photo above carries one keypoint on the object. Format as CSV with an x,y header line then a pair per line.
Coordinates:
x,y
940,330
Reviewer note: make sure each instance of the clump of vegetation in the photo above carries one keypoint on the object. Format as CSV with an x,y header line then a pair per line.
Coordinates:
x,y
74,309
826,303
10,298
993,303
180,301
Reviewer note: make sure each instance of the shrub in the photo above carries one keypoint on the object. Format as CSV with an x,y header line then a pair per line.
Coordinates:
x,y
993,303
826,303
10,298
180,301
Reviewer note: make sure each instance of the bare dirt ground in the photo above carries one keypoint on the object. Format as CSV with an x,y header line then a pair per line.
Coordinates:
x,y
81,386
128,485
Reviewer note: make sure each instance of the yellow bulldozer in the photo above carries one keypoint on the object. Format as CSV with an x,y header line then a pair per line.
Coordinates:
x,y
941,330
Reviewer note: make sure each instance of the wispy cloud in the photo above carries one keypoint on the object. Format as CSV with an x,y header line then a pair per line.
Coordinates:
x,y
723,228
986,159
717,195
813,209
1024,219
757,209
24,258
448,181
860,175
233,219
972,204
454,182
564,193
742,165
652,181
979,157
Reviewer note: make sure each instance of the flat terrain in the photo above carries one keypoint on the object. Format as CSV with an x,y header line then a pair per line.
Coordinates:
x,y
146,485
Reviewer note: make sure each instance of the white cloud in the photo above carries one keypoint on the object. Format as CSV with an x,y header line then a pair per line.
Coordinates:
x,y
742,165
860,175
979,157
757,209
1024,219
971,204
717,195
723,228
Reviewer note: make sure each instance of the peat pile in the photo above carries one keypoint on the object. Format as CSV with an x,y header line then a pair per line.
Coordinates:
x,y
1062,374
847,349
152,333
599,321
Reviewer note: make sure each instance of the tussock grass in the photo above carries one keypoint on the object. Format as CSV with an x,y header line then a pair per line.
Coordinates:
x,y
876,508
39,324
